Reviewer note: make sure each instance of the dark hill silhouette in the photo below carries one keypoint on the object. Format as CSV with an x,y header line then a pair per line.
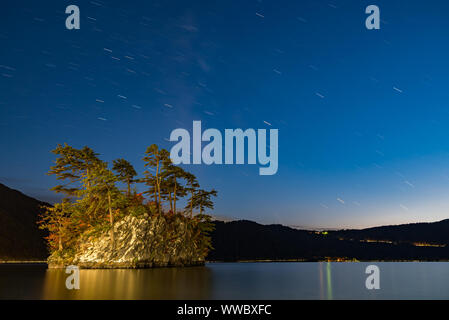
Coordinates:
x,y
20,237
434,232
245,240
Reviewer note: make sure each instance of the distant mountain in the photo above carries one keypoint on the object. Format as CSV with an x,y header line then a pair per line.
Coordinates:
x,y
436,233
223,218
20,237
246,240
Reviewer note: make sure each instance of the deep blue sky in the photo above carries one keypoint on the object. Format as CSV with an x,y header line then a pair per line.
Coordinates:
x,y
362,115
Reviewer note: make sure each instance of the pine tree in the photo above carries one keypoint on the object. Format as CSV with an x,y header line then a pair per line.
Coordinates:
x,y
179,191
170,177
102,182
153,161
202,199
100,203
72,165
125,172
57,220
191,187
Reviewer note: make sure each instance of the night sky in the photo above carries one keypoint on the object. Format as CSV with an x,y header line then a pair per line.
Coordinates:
x,y
363,115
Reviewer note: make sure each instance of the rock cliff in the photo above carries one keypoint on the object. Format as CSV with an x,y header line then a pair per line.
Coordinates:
x,y
145,242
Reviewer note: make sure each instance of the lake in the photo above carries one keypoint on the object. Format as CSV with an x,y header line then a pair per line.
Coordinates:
x,y
321,280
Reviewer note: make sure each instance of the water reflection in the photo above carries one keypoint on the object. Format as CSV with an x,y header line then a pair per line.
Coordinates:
x,y
21,281
327,283
232,281
163,283
320,270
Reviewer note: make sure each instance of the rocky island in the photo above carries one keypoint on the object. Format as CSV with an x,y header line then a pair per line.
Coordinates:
x,y
98,225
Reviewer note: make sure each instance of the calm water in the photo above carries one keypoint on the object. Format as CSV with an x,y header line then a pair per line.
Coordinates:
x,y
232,281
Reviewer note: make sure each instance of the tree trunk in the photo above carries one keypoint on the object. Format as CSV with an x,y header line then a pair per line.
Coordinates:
x,y
111,219
60,239
158,189
155,196
129,188
174,199
191,206
88,178
169,199
159,197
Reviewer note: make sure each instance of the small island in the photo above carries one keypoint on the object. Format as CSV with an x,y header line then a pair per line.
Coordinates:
x,y
99,225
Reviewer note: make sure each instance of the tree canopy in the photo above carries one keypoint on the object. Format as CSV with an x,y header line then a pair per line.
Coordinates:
x,y
94,201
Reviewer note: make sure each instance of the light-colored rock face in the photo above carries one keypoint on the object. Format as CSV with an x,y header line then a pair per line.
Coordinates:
x,y
139,243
